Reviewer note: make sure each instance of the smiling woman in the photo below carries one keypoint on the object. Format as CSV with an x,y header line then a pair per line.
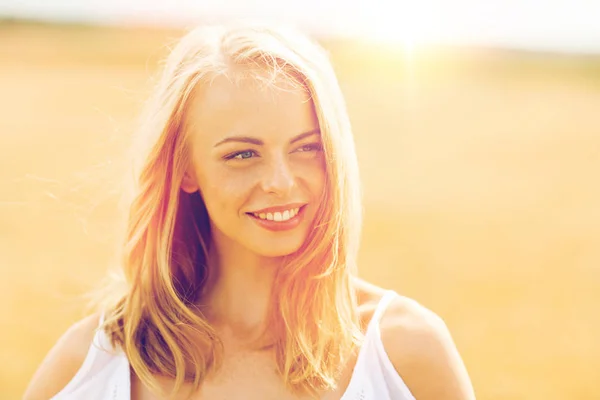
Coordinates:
x,y
264,170
240,255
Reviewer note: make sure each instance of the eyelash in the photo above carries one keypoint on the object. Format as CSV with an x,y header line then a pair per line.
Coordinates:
x,y
310,146
235,155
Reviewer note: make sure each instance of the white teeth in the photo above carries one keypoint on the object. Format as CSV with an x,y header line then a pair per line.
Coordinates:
x,y
278,216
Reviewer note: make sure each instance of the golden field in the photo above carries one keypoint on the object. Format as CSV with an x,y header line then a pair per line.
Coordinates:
x,y
481,173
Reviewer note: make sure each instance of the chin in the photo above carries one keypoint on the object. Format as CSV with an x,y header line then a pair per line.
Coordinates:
x,y
279,247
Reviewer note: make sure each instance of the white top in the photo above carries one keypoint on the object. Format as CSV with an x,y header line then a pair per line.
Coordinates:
x,y
105,373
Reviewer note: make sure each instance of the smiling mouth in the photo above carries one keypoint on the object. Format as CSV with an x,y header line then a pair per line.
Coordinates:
x,y
278,216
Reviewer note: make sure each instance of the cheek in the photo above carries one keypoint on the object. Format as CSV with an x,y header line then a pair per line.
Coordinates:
x,y
313,173
225,190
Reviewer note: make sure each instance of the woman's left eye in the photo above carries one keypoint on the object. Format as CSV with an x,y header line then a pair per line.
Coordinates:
x,y
310,147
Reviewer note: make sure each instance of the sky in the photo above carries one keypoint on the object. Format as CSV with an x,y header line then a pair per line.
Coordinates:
x,y
550,25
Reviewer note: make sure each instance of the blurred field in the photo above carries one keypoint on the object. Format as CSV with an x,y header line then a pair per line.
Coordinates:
x,y
481,174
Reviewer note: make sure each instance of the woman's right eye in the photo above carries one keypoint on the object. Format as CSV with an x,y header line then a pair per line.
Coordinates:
x,y
241,155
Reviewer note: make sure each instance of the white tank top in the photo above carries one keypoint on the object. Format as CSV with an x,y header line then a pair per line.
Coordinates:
x,y
105,373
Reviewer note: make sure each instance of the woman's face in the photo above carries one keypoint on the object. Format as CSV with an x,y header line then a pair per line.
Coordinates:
x,y
258,163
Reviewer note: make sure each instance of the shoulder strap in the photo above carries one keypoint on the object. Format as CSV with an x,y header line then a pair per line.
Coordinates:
x,y
88,366
385,301
372,332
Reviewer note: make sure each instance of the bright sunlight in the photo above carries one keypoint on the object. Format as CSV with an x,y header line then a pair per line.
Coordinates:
x,y
401,23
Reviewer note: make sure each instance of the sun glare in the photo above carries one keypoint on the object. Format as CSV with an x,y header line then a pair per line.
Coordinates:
x,y
400,23
391,32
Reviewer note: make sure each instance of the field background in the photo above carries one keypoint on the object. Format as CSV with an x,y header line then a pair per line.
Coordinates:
x,y
481,172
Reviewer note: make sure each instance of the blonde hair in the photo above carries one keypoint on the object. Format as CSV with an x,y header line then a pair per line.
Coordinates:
x,y
314,311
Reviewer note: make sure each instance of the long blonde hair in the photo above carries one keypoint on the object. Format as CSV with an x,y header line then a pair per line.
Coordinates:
x,y
314,311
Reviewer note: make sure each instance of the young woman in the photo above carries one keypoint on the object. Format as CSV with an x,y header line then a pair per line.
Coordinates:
x,y
240,255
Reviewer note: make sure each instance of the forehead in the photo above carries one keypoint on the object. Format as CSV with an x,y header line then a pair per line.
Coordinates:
x,y
272,111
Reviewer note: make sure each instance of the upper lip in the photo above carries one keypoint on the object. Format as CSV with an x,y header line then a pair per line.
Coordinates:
x,y
274,209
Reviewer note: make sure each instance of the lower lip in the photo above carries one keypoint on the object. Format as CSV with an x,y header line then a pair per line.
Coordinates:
x,y
281,225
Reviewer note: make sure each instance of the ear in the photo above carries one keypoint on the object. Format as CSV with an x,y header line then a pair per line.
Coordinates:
x,y
189,184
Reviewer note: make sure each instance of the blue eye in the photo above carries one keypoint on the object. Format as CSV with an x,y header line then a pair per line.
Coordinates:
x,y
310,147
241,155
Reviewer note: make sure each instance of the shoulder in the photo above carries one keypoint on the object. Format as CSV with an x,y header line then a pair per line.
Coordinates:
x,y
64,360
423,352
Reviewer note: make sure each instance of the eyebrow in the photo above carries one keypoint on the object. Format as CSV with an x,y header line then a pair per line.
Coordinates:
x,y
258,142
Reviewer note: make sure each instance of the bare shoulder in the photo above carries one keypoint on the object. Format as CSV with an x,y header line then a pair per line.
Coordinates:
x,y
419,345
63,361
423,352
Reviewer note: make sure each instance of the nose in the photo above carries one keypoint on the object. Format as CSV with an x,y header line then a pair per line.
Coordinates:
x,y
278,178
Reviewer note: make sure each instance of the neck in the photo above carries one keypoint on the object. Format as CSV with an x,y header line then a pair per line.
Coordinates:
x,y
238,292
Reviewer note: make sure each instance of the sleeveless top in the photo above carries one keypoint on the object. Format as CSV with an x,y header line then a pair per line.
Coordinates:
x,y
105,372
